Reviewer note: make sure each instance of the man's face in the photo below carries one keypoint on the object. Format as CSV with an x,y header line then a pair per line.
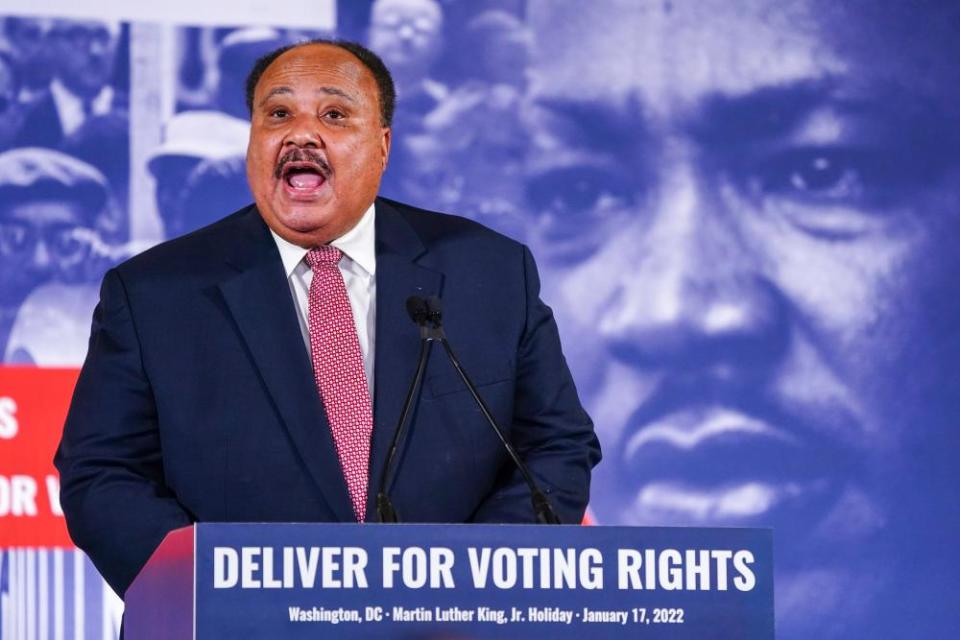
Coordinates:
x,y
317,147
748,216
407,34
38,241
86,52
29,38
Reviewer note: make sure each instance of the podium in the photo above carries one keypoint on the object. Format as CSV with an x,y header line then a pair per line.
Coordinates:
x,y
411,581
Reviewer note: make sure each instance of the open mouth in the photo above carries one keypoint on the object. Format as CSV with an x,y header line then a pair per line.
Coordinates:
x,y
302,177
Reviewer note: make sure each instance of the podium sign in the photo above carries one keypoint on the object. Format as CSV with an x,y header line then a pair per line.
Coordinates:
x,y
455,581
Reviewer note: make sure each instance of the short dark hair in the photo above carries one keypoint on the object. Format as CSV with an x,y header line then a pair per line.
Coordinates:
x,y
373,63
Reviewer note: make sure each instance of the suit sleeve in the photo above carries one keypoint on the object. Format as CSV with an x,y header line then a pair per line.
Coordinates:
x,y
551,430
117,507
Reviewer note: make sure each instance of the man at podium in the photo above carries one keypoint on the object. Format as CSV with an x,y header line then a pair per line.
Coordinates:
x,y
254,370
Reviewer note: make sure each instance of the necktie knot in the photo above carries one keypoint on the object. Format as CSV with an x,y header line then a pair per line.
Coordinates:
x,y
325,256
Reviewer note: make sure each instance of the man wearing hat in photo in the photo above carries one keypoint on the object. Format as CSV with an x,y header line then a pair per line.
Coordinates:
x,y
190,138
49,203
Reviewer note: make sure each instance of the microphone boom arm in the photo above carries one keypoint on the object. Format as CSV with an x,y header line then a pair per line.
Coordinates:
x,y
427,314
541,505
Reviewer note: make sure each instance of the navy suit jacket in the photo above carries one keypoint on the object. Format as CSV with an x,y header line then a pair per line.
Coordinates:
x,y
197,400
42,126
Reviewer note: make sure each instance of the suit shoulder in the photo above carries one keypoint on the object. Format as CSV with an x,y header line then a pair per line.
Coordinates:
x,y
194,252
435,227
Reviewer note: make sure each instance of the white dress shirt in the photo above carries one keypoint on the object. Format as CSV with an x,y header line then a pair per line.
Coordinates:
x,y
70,106
359,269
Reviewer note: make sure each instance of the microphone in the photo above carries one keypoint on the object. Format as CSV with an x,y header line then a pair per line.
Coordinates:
x,y
419,312
541,505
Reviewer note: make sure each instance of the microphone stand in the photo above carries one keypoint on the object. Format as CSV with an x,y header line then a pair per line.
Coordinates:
x,y
417,308
428,315
541,505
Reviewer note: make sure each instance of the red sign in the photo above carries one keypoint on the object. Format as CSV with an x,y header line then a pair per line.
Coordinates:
x,y
33,406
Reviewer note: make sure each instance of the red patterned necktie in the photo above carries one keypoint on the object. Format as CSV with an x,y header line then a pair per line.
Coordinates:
x,y
338,372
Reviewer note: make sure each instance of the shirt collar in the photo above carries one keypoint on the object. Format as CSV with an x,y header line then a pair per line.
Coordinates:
x,y
358,244
70,106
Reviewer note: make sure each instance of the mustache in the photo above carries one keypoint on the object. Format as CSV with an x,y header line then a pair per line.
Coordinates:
x,y
302,155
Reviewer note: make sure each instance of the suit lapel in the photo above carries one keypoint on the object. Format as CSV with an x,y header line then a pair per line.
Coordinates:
x,y
259,299
397,338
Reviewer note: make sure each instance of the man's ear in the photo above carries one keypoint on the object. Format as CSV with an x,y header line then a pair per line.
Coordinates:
x,y
386,137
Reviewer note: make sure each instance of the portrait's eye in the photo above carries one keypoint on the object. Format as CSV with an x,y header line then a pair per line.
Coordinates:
x,y
838,192
279,113
66,242
575,207
334,114
863,177
423,25
576,191
828,175
14,238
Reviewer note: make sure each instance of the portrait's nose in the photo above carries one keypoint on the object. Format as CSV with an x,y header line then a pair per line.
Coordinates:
x,y
42,259
694,296
406,31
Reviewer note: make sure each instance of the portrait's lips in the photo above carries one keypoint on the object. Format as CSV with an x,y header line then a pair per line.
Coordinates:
x,y
712,464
